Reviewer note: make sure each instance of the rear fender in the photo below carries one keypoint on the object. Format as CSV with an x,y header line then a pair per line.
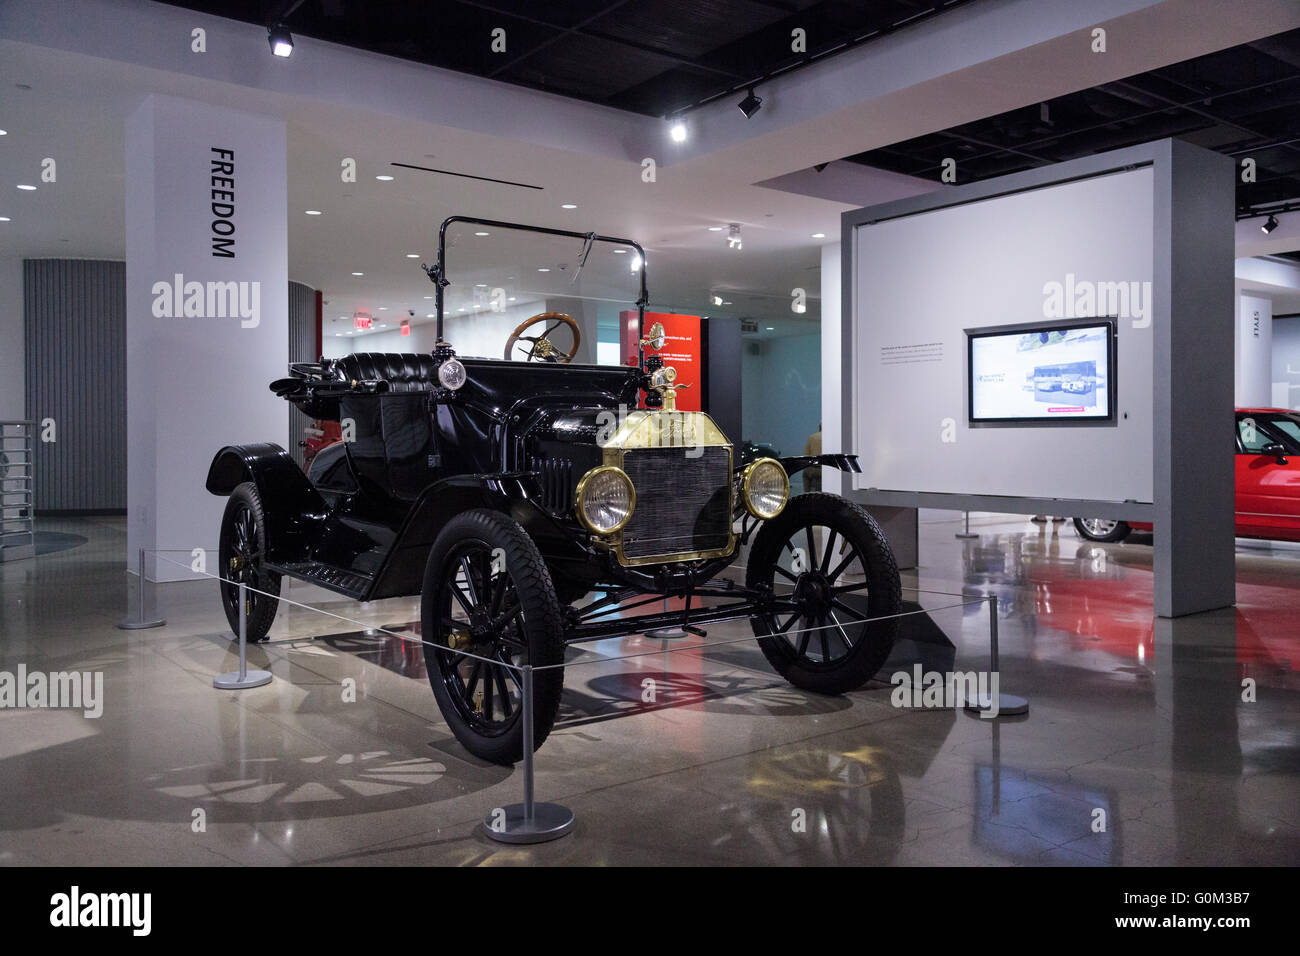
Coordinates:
x,y
294,510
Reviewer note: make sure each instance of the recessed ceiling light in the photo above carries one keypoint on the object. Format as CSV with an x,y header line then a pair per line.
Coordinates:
x,y
428,297
512,298
358,273
620,252
383,308
385,179
543,269
25,187
461,309
412,255
4,132
312,212
4,219
771,328
428,315
819,235
480,233
569,205
480,285
715,229
338,333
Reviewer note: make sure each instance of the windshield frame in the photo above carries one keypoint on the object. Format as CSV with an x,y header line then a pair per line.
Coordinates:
x,y
438,272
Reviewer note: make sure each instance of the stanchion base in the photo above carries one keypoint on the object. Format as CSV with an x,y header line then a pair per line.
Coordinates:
x,y
231,680
665,633
550,822
966,534
1008,706
130,625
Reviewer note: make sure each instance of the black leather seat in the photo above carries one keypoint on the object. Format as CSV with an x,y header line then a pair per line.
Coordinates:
x,y
403,371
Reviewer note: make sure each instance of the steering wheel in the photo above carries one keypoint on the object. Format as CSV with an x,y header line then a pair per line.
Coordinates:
x,y
541,349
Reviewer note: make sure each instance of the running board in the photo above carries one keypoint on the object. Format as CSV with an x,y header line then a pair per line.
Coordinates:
x,y
348,583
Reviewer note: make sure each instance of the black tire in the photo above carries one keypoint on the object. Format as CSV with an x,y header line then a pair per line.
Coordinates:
x,y
1102,529
242,551
508,614
836,650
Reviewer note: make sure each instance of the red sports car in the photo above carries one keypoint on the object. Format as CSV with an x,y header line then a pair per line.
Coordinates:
x,y
1268,481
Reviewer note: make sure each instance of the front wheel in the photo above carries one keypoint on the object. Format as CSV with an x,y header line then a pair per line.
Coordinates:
x,y
487,593
829,559
1102,529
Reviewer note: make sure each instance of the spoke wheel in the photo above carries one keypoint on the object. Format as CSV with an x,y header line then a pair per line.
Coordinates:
x,y
831,561
1102,529
242,551
505,614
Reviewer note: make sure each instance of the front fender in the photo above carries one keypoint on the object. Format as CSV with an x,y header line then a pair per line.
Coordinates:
x,y
512,494
294,510
798,463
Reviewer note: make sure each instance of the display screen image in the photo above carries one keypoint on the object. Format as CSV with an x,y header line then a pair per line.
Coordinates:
x,y
1036,375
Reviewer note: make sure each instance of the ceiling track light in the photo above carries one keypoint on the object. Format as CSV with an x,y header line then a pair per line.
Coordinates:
x,y
281,40
751,104
677,131
733,236
1269,225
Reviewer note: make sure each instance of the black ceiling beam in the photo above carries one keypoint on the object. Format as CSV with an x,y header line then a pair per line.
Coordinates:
x,y
566,31
608,38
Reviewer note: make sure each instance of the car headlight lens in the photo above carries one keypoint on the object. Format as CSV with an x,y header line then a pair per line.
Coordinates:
x,y
605,499
765,487
451,374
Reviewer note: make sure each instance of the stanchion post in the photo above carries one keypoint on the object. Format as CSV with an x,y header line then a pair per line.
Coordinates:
x,y
528,822
243,678
140,621
1008,705
967,533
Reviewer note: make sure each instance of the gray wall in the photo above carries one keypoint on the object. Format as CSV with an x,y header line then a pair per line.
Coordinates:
x,y
302,348
1286,355
13,399
926,278
74,317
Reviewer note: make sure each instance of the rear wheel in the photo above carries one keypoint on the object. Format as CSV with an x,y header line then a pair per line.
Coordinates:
x,y
1102,529
831,560
242,550
487,593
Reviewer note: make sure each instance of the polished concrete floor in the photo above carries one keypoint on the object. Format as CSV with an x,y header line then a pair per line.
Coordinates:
x,y
1138,749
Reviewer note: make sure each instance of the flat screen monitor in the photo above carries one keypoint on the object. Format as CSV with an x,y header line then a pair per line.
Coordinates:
x,y
1056,373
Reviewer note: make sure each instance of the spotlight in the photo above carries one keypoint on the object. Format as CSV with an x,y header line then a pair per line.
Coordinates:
x,y
281,40
733,236
1269,225
678,131
751,104
716,299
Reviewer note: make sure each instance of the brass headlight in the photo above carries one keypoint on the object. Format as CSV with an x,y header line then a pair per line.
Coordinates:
x,y
765,487
604,499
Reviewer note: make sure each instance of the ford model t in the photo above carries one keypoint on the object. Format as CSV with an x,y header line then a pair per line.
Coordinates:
x,y
539,503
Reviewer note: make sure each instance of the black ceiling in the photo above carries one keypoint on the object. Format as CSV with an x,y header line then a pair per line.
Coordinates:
x,y
1243,101
647,56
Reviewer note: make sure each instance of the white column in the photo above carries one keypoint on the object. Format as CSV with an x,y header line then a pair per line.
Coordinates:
x,y
1254,351
207,312
832,478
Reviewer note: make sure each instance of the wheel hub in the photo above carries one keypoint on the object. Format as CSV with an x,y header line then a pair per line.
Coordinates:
x,y
813,594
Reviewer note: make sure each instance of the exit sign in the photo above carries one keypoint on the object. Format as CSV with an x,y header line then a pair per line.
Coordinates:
x,y
361,321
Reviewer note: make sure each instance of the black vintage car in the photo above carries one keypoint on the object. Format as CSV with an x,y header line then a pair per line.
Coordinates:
x,y
537,504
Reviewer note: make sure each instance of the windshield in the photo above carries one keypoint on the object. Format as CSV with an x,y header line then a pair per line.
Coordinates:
x,y
501,278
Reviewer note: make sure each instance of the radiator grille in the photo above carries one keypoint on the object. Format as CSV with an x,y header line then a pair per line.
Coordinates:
x,y
683,505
